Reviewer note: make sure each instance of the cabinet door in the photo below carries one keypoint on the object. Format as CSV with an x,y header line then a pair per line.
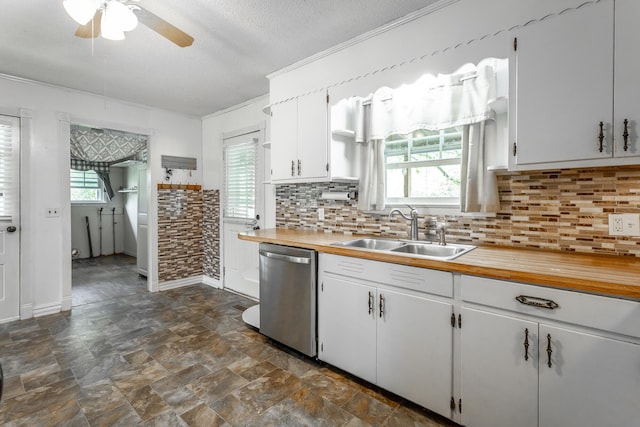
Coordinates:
x,y
499,386
564,84
592,381
313,135
284,131
347,326
627,69
415,349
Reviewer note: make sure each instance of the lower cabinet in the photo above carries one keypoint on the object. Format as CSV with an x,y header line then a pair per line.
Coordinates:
x,y
499,358
531,369
399,340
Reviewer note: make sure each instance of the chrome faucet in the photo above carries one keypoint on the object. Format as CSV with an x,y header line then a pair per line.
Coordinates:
x,y
413,217
441,229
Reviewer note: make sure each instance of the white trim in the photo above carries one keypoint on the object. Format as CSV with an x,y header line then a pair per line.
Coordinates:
x,y
179,283
261,126
26,311
210,281
236,107
131,254
47,310
363,37
66,303
241,294
10,319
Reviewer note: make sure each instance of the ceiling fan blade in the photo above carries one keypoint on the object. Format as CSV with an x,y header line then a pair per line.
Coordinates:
x,y
91,29
163,28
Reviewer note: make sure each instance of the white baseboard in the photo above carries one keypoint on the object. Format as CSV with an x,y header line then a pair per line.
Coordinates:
x,y
9,319
46,310
65,305
130,253
210,281
172,284
26,311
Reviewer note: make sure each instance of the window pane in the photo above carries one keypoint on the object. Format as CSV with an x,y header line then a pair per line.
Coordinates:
x,y
435,181
240,179
396,183
86,186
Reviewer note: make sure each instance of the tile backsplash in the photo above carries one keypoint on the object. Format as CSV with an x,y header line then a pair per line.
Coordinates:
x,y
564,210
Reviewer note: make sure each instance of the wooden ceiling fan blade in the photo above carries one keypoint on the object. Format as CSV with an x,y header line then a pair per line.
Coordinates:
x,y
91,29
163,28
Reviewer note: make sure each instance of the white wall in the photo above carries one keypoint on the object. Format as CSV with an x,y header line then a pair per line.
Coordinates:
x,y
79,239
46,284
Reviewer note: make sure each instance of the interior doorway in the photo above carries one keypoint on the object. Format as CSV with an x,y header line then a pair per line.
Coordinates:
x,y
108,204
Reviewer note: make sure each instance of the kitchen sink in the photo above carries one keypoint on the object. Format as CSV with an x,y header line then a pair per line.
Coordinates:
x,y
375,244
410,248
449,251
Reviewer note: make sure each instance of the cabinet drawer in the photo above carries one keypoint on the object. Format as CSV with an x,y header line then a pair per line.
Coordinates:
x,y
415,278
593,311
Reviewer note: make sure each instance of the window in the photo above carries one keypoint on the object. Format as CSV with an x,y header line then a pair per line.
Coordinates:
x,y
423,167
240,161
9,168
86,187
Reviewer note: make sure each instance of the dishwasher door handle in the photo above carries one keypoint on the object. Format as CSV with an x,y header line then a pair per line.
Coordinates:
x,y
288,258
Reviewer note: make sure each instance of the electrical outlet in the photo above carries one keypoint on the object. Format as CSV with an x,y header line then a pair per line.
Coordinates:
x,y
320,214
624,225
52,212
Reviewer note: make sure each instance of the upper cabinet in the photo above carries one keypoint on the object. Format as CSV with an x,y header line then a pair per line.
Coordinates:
x,y
566,106
299,149
627,70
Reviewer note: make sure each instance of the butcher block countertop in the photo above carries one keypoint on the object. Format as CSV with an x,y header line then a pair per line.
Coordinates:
x,y
601,274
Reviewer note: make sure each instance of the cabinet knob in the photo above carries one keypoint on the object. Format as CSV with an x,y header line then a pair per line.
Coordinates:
x,y
293,168
625,135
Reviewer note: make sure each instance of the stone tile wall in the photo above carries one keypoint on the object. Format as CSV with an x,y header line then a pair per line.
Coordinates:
x,y
180,238
558,209
211,233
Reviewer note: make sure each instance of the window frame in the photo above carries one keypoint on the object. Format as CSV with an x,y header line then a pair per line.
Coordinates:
x,y
447,202
251,140
99,187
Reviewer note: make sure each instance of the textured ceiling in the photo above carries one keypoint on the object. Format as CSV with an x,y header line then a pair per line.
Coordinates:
x,y
237,43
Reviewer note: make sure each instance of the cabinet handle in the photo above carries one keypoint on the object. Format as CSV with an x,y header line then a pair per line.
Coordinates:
x,y
293,168
381,305
625,135
526,344
549,351
299,168
537,302
601,137
371,301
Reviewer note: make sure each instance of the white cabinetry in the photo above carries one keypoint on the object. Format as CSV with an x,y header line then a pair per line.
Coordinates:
x,y
564,78
373,324
534,366
566,87
299,135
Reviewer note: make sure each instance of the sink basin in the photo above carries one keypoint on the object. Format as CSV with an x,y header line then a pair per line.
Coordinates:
x,y
372,243
450,251
411,248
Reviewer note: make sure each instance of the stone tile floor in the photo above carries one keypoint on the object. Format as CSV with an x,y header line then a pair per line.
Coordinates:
x,y
177,358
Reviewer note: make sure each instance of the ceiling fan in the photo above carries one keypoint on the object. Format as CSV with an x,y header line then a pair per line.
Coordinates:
x,y
111,18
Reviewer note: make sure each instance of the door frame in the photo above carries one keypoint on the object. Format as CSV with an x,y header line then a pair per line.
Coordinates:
x,y
260,196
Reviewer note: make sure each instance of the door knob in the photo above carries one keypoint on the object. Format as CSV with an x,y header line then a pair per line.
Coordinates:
x,y
11,229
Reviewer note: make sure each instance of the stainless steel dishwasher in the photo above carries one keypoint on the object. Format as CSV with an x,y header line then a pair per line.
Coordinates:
x,y
288,296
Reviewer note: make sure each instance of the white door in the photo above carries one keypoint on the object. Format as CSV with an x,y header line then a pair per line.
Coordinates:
x,y
415,349
592,380
9,218
347,326
499,370
242,202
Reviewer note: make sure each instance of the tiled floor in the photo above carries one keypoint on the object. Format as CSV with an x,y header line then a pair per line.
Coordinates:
x,y
176,358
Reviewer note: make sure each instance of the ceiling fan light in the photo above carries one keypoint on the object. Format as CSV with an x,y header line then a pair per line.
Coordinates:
x,y
81,10
123,15
109,26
